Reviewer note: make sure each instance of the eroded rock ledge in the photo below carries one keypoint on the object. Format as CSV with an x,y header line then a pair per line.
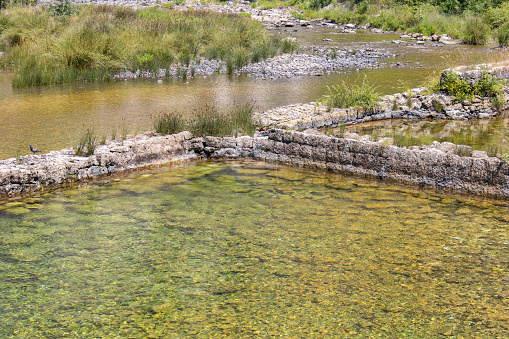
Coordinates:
x,y
432,166
412,105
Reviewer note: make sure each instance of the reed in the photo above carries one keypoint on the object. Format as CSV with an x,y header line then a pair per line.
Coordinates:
x,y
169,123
86,143
209,121
242,119
92,43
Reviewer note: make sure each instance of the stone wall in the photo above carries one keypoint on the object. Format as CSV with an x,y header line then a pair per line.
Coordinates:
x,y
58,168
411,105
425,165
431,166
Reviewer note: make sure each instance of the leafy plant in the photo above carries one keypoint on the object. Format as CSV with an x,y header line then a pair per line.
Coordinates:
x,y
486,86
61,8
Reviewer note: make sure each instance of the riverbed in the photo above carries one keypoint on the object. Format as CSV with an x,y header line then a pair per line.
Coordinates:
x,y
252,249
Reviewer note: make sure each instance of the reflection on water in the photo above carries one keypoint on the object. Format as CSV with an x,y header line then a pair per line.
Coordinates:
x,y
483,135
52,117
252,250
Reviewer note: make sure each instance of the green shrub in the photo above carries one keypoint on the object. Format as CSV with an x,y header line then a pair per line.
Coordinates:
x,y
475,31
502,35
61,8
452,84
486,86
498,16
348,95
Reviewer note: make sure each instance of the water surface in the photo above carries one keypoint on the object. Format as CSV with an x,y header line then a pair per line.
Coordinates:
x,y
250,249
53,117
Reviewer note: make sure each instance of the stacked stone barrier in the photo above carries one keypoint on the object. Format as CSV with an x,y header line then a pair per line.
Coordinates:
x,y
32,173
428,166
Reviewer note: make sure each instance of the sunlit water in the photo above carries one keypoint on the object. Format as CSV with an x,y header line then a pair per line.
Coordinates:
x,y
490,136
53,117
249,249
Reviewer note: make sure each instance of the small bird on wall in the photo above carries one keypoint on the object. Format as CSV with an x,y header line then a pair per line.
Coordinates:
x,y
33,149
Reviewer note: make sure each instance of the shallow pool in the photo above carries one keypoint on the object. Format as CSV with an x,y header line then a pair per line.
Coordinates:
x,y
251,249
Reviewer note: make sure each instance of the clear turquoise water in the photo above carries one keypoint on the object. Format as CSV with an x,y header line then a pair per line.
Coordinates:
x,y
250,249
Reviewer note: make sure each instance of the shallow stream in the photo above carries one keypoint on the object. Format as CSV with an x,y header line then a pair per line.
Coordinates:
x,y
53,117
250,249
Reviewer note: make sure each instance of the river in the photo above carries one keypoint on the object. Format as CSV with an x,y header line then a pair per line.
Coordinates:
x,y
53,117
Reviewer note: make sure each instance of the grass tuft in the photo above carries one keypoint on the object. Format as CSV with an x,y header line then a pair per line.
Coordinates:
x,y
347,95
209,121
86,143
169,123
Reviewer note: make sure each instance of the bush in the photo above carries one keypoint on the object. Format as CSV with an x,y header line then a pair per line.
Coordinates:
x,y
498,16
475,31
502,35
452,84
486,86
347,95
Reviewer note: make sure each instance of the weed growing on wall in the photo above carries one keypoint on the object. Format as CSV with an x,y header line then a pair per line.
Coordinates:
x,y
86,143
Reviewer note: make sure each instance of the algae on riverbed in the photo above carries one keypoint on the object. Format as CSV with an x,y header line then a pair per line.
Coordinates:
x,y
252,249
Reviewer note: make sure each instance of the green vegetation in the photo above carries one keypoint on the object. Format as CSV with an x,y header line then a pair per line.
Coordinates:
x,y
351,95
471,21
209,121
486,86
64,43
169,123
86,143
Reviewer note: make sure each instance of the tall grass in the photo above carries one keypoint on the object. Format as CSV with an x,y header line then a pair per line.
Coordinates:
x,y
166,123
351,95
86,143
96,41
427,17
209,121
